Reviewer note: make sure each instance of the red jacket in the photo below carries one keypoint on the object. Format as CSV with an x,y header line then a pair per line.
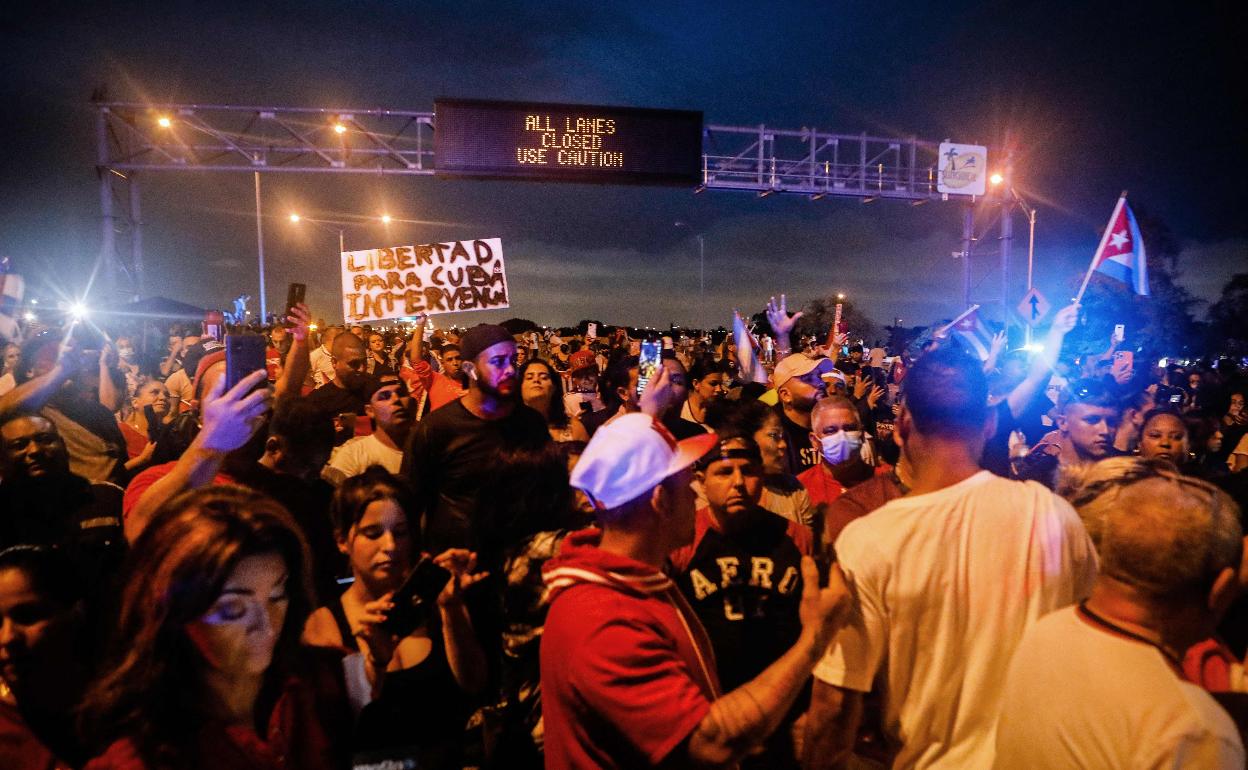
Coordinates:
x,y
627,669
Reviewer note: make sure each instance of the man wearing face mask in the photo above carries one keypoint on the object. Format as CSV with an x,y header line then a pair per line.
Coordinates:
x,y
836,434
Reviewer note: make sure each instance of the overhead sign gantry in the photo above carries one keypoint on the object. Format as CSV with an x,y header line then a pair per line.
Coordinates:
x,y
523,140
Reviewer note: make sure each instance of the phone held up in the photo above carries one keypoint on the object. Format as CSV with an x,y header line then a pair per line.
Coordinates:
x,y
648,363
416,597
295,294
244,354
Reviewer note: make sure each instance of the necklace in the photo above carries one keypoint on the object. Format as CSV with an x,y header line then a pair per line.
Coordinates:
x,y
1113,627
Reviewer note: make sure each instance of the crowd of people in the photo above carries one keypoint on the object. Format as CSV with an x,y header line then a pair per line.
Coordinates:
x,y
490,548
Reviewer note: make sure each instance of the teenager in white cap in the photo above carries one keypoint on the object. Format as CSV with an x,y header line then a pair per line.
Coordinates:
x,y
628,675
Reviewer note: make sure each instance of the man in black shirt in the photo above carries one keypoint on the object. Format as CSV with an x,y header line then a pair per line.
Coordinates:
x,y
42,502
451,453
345,393
799,383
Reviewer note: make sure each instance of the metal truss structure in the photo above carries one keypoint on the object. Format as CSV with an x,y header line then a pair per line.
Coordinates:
x,y
815,163
136,139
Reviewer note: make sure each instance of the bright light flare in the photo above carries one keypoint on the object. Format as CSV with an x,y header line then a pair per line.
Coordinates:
x,y
840,295
164,122
1035,347
78,311
294,218
339,128
996,179
385,219
30,317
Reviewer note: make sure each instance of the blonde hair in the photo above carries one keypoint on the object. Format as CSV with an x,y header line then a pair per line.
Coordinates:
x,y
1163,533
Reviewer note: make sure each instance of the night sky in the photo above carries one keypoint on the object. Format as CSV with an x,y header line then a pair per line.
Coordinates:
x,y
1100,98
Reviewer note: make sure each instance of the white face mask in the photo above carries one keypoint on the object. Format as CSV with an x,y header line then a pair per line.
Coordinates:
x,y
840,446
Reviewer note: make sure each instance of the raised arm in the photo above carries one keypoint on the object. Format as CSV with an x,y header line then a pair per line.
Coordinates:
x,y
1045,360
31,395
230,419
298,362
112,394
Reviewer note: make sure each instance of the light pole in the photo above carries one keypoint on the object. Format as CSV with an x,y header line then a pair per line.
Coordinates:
x,y
701,261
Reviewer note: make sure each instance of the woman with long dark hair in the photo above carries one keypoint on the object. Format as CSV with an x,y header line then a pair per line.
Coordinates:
x,y
205,667
411,673
541,388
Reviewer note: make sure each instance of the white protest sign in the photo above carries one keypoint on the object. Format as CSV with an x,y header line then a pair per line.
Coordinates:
x,y
379,284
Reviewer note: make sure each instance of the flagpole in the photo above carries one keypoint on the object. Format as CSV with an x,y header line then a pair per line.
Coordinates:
x,y
1122,199
945,329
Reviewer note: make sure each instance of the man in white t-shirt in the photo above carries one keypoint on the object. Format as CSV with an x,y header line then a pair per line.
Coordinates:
x,y
1099,685
946,579
322,360
390,407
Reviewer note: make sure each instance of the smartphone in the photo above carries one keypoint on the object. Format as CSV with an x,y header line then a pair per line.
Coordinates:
x,y
648,363
1120,332
415,597
294,295
244,354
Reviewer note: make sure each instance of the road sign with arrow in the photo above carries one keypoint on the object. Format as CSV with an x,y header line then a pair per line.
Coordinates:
x,y
1034,307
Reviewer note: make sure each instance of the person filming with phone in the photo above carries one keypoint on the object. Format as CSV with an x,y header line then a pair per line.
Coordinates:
x,y
414,658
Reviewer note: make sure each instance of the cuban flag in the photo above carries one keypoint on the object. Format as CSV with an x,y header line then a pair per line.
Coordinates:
x,y
1121,253
11,290
747,351
973,333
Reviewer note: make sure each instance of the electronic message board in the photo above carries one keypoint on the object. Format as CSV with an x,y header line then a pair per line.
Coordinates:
x,y
567,142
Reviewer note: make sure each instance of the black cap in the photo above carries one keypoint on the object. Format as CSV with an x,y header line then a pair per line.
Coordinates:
x,y
480,338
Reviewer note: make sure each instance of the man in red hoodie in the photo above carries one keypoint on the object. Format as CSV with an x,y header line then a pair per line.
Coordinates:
x,y
628,674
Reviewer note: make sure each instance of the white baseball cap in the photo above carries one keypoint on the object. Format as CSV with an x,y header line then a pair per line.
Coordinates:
x,y
630,456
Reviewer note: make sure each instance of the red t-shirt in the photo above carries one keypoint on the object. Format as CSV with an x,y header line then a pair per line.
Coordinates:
x,y
139,484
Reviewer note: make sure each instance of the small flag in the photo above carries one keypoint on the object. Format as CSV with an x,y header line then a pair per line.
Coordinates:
x,y
747,351
974,334
1121,254
11,291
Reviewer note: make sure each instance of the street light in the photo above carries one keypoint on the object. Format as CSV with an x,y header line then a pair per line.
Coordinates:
x,y
385,219
996,179
339,128
701,261
164,122
840,295
294,218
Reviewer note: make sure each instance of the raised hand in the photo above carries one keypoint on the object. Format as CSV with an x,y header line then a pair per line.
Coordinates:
x,y
232,417
874,396
381,643
460,562
778,316
823,610
1065,319
998,343
299,319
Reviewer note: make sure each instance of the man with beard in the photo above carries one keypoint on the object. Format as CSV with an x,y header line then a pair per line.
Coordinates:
x,y
44,503
450,453
390,407
799,383
344,394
